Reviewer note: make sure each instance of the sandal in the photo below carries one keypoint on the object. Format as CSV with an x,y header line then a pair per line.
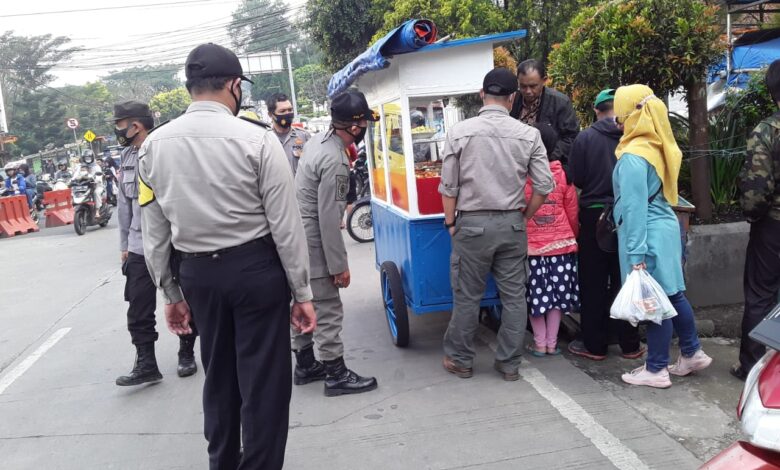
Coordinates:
x,y
554,351
535,352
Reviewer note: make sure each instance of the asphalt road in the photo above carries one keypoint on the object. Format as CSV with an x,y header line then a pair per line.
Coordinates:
x,y
63,342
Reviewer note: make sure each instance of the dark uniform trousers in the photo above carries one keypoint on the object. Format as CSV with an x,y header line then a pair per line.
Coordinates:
x,y
761,284
241,303
141,294
599,284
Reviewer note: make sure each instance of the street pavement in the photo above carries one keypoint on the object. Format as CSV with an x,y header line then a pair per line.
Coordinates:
x,y
63,341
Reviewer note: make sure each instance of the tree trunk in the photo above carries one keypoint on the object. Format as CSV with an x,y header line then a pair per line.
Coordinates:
x,y
699,141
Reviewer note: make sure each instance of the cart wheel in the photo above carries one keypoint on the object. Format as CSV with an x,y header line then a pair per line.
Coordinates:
x,y
395,304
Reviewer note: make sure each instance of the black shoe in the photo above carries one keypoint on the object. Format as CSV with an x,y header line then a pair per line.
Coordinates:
x,y
187,365
145,369
307,368
739,372
342,381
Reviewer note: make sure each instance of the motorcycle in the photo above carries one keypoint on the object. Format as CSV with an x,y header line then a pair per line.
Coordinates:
x,y
360,224
42,186
758,409
84,212
360,172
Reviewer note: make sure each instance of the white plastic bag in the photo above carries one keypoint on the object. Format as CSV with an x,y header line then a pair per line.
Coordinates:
x,y
641,299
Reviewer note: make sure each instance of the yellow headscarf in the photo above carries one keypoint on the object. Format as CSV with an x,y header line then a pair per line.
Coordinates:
x,y
648,134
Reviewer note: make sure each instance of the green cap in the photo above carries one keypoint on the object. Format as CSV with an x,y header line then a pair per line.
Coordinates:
x,y
604,95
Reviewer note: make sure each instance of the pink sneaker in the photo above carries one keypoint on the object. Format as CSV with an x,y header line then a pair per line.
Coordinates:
x,y
689,365
642,376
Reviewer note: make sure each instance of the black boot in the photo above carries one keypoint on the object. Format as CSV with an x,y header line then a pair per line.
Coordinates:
x,y
342,381
307,368
187,365
145,369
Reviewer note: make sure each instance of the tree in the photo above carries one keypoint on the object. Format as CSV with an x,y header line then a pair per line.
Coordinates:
x,y
92,104
261,25
342,29
40,121
666,44
170,104
311,83
25,63
141,83
462,18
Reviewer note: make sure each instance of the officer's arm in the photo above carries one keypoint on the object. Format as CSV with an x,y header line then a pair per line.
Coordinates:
x,y
450,169
277,190
331,198
156,234
756,182
125,216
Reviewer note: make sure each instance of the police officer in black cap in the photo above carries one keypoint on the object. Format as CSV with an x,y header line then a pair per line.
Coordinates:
x,y
133,122
220,192
323,182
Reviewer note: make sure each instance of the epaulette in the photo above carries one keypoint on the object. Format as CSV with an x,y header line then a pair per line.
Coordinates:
x,y
255,122
158,126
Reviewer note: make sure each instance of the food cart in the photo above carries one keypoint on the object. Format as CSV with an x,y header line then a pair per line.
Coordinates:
x,y
419,96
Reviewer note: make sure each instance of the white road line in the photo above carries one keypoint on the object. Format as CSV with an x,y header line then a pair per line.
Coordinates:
x,y
610,446
28,362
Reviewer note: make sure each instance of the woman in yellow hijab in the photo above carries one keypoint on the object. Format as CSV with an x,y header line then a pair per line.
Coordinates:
x,y
645,183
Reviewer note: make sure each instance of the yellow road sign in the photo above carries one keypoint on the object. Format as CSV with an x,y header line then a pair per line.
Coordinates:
x,y
89,136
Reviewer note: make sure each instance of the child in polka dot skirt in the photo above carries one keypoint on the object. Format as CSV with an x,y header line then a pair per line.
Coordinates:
x,y
553,285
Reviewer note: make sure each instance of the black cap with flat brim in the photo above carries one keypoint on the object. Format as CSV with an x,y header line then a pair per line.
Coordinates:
x,y
212,60
351,106
500,82
130,109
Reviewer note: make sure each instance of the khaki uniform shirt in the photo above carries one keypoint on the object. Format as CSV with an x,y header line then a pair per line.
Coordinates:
x,y
293,143
487,160
323,182
211,181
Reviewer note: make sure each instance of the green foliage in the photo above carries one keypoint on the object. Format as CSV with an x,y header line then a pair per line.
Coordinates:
x,y
170,104
729,129
462,18
342,29
141,83
666,44
25,63
311,83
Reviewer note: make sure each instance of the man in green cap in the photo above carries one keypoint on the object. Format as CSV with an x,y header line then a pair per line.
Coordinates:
x,y
591,162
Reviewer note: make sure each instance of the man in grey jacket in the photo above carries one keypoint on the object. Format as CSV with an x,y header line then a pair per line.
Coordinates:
x,y
322,181
133,121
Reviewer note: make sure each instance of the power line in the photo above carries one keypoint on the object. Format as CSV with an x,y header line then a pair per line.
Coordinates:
x,y
123,7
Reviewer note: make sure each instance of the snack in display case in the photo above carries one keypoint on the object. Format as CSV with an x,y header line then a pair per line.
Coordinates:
x,y
426,170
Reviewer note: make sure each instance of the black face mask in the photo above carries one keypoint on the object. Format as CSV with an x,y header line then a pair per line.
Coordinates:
x,y
238,98
284,121
360,135
122,138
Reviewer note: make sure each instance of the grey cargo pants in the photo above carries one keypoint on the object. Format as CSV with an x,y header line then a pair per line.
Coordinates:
x,y
330,317
488,242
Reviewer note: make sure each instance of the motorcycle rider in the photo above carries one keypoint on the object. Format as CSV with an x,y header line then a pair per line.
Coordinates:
x,y
110,171
63,172
14,178
30,182
90,168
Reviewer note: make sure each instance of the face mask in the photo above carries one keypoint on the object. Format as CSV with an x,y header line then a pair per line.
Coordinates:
x,y
360,135
122,138
284,121
238,98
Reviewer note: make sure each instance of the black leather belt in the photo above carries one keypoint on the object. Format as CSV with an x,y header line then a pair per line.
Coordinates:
x,y
216,253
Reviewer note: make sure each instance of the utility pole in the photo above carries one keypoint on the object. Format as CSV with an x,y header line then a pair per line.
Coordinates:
x,y
292,83
3,121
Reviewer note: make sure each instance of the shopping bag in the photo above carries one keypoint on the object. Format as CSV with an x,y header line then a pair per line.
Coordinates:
x,y
641,299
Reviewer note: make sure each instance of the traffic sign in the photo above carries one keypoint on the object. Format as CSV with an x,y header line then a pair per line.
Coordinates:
x,y
89,136
72,123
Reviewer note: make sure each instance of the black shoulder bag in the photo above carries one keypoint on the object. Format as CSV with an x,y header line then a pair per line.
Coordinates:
x,y
606,228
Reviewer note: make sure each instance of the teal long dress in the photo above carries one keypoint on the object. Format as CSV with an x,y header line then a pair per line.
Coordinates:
x,y
646,233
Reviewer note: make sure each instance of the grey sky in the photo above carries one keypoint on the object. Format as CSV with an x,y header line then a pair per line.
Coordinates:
x,y
121,37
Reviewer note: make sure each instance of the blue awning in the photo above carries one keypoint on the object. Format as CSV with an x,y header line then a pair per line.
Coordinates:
x,y
409,37
751,52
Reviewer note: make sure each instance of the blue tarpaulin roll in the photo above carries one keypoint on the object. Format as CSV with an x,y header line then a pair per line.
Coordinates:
x,y
408,37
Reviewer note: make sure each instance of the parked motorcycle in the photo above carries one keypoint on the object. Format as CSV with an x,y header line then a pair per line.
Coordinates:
x,y
360,172
360,224
84,212
758,409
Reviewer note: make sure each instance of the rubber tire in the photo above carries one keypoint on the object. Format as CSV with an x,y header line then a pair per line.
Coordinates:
x,y
80,221
391,278
349,223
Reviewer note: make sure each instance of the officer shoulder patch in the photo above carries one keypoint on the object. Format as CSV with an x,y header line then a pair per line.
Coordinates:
x,y
145,193
342,187
255,122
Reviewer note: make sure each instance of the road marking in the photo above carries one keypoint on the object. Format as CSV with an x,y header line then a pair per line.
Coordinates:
x,y
28,362
610,446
